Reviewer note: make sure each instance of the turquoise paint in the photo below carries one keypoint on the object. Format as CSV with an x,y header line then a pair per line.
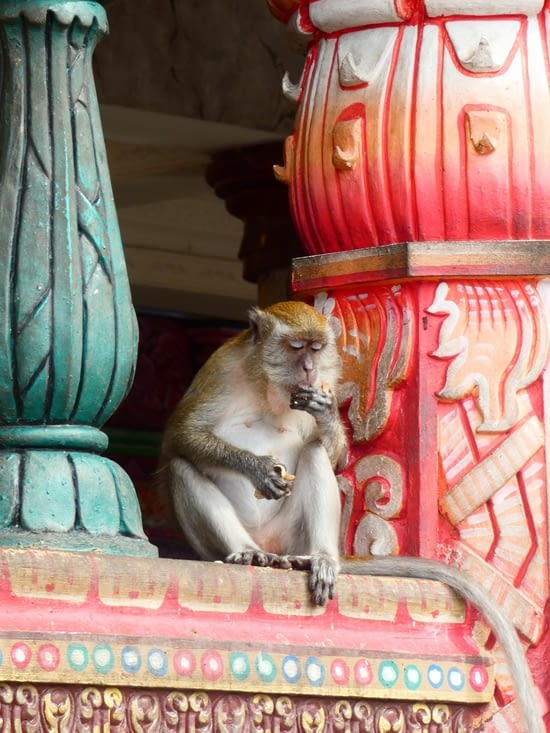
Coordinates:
x,y
68,332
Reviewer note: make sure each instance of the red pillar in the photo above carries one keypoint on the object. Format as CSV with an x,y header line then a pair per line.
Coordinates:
x,y
418,178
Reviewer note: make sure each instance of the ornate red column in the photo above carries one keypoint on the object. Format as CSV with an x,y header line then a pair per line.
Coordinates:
x,y
419,181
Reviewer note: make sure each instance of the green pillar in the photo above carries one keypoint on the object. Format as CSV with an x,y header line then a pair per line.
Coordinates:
x,y
68,335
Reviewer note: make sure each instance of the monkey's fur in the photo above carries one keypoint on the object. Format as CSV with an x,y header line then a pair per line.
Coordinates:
x,y
260,420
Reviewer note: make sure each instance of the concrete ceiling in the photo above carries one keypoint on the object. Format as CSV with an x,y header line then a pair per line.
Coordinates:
x,y
177,81
181,245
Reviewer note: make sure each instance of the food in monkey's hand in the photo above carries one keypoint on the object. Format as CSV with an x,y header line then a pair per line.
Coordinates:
x,y
283,473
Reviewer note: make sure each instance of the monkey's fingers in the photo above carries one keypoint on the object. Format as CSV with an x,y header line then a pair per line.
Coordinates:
x,y
272,490
311,400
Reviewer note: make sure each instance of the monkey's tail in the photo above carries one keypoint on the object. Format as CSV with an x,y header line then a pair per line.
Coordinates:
x,y
504,631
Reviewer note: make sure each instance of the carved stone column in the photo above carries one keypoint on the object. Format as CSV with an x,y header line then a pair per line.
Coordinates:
x,y
418,175
68,332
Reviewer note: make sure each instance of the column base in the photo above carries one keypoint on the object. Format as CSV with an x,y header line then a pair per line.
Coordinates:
x,y
77,541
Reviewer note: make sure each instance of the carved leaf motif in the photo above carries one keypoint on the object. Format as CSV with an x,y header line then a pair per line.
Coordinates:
x,y
363,55
285,718
363,717
137,712
58,709
262,709
374,337
144,713
25,712
175,706
341,715
481,46
496,340
200,717
313,719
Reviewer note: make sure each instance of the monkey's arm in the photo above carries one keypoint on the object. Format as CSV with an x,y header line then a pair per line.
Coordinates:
x,y
190,429
322,405
415,567
206,450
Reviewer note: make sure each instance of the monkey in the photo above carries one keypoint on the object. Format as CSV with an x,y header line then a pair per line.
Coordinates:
x,y
249,456
249,453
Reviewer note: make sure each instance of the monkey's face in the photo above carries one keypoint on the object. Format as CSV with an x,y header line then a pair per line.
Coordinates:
x,y
295,346
304,358
294,361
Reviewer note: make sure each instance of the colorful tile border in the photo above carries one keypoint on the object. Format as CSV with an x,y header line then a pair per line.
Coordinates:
x,y
163,664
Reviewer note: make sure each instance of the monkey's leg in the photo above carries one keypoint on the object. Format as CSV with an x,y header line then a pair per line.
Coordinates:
x,y
207,518
314,508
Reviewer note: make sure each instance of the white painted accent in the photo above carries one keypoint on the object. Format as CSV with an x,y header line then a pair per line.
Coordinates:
x,y
497,35
335,15
437,8
363,54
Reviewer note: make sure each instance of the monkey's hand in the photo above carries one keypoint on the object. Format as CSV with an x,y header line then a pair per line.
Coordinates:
x,y
312,400
271,480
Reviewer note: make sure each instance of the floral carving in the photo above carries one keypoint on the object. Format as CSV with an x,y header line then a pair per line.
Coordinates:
x,y
70,709
375,338
496,339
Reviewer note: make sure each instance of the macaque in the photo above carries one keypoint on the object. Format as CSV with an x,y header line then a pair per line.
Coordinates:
x,y
249,456
249,453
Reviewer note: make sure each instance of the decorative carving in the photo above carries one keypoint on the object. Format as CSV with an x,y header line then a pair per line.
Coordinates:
x,y
43,709
375,338
496,338
284,172
423,173
380,479
363,56
347,139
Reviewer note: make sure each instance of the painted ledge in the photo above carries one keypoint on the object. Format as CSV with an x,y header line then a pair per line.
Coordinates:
x,y
96,619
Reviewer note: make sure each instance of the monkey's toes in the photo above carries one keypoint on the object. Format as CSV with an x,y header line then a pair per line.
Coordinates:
x,y
255,557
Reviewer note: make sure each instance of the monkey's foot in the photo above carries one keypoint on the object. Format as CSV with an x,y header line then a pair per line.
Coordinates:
x,y
323,574
260,558
322,578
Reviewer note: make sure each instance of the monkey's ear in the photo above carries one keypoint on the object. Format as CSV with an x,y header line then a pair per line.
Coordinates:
x,y
259,322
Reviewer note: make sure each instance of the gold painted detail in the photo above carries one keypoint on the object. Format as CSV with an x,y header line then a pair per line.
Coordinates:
x,y
33,574
284,173
62,709
63,580
347,142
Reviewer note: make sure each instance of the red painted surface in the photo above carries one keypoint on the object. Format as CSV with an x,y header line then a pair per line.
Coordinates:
x,y
419,123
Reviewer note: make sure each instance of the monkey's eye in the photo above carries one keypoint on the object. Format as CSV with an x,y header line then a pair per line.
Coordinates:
x,y
317,346
296,344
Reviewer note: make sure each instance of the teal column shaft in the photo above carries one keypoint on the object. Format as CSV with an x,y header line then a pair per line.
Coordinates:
x,y
68,334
